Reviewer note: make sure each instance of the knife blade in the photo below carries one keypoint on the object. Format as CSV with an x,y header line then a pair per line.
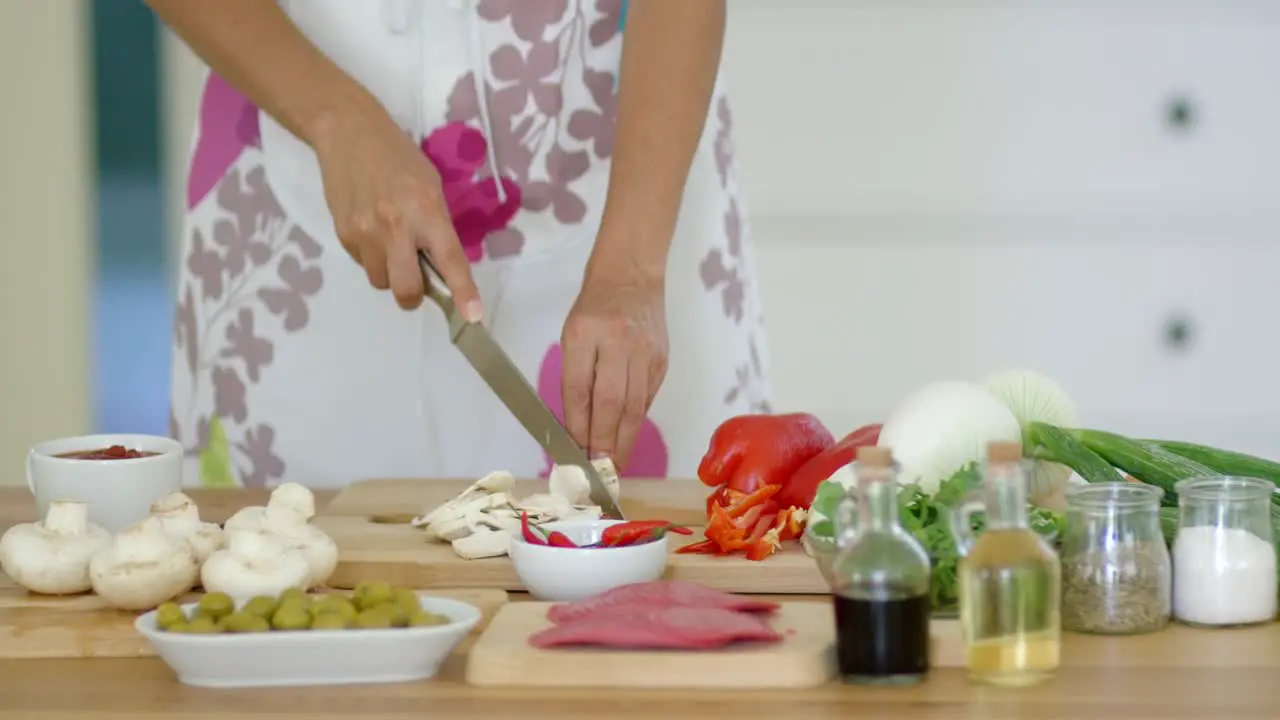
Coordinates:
x,y
496,368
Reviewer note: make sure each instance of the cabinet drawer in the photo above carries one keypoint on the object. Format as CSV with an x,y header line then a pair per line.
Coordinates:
x,y
1179,326
998,109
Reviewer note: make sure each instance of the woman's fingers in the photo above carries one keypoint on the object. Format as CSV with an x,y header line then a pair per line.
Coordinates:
x,y
608,398
633,410
403,270
441,242
577,374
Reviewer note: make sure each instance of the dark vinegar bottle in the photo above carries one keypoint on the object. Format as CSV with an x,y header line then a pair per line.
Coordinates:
x,y
880,578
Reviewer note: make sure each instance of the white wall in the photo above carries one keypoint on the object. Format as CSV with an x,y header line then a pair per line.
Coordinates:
x,y
940,188
45,218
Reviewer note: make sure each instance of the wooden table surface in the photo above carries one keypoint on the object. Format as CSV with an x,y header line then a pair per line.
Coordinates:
x,y
1149,683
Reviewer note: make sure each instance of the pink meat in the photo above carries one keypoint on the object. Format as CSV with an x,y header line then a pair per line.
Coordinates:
x,y
660,593
667,628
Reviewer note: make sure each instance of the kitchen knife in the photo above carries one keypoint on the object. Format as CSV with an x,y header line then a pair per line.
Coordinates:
x,y
502,376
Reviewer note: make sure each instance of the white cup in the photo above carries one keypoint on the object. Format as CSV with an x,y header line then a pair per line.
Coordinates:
x,y
119,492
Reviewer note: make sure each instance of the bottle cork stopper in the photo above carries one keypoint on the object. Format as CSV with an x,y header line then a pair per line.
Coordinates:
x,y
875,457
1004,451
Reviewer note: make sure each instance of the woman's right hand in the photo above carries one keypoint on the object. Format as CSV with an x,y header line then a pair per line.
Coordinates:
x,y
386,200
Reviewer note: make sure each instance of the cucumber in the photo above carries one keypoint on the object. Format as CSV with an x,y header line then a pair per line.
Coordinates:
x,y
1148,463
1057,445
1224,462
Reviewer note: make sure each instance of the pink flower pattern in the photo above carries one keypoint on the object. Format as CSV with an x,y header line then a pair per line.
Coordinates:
x,y
458,152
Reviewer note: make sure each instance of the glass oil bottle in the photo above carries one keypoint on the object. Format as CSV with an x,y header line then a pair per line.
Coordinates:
x,y
880,576
1009,579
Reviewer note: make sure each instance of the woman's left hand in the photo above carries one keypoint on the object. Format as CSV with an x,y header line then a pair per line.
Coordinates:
x,y
614,346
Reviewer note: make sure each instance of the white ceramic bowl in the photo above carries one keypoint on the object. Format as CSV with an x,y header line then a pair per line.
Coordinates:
x,y
118,492
562,574
313,657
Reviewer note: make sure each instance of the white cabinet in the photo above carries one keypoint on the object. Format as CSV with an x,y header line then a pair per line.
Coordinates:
x,y
942,189
1004,109
1150,328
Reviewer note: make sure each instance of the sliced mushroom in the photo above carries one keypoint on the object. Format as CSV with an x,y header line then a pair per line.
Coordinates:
x,y
495,483
502,519
570,481
459,521
483,543
546,504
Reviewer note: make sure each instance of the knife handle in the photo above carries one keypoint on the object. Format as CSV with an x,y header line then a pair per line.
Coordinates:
x,y
433,283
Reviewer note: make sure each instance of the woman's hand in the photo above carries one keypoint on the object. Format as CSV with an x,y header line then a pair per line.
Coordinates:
x,y
615,358
387,204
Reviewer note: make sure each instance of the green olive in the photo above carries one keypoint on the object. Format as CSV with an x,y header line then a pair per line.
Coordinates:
x,y
373,619
334,604
291,618
331,621
262,606
294,594
370,594
168,615
243,622
408,599
426,618
216,605
203,625
398,616
178,627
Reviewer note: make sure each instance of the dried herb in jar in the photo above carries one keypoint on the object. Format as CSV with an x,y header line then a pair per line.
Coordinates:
x,y
1121,590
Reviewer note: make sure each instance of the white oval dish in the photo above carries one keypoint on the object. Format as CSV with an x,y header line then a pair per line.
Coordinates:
x,y
560,574
312,657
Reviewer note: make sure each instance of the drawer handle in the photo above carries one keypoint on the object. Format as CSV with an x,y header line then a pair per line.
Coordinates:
x,y
1181,114
1178,334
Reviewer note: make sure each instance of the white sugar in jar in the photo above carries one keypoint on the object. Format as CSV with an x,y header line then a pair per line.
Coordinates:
x,y
1223,576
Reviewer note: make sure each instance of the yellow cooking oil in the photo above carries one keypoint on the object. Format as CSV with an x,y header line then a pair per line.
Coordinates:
x,y
1010,597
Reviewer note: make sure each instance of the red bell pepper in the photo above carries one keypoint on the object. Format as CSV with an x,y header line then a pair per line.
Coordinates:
x,y
800,490
749,452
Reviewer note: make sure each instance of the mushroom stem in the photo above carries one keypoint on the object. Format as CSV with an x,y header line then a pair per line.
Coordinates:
x,y
142,542
178,512
295,498
67,517
254,547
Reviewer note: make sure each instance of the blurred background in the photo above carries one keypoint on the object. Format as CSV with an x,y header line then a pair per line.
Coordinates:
x,y
937,189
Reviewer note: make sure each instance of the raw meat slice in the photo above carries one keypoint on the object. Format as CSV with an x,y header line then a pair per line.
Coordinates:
x,y
670,628
660,593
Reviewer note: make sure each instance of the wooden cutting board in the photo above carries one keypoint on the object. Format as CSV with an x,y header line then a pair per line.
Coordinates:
x,y
680,501
82,626
503,657
369,523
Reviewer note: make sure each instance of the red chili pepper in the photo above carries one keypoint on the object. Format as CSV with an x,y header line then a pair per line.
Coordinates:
x,y
530,535
638,531
559,539
800,489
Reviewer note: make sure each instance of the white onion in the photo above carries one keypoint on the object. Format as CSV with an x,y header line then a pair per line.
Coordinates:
x,y
943,426
1032,397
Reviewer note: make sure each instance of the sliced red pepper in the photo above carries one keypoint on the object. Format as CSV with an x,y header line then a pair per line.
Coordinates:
x,y
800,488
755,499
703,547
767,545
559,539
749,452
762,525
531,535
790,523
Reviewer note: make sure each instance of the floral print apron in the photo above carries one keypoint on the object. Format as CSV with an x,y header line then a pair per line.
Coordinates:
x,y
287,364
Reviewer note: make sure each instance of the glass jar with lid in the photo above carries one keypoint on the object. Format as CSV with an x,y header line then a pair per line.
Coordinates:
x,y
1116,569
1224,556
